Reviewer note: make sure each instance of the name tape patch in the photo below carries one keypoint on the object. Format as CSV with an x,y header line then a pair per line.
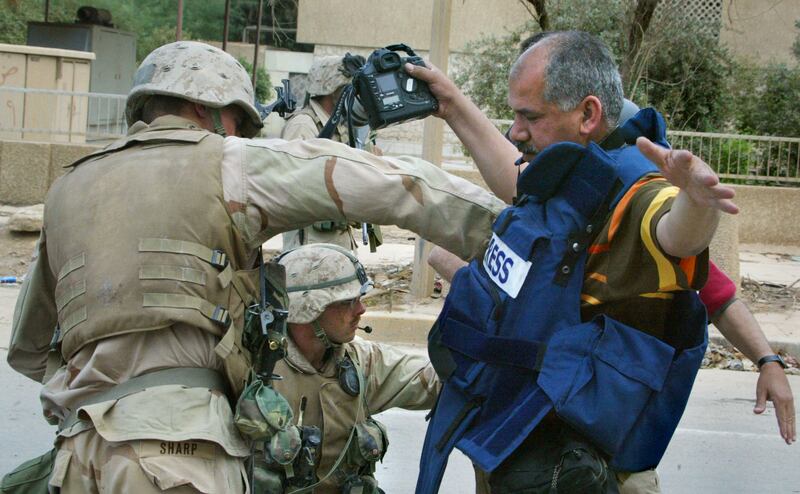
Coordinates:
x,y
505,267
201,449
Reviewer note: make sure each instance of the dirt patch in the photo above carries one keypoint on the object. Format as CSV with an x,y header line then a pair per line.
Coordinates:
x,y
764,296
16,250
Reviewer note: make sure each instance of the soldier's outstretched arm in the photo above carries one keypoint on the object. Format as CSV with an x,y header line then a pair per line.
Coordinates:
x,y
35,317
292,184
494,155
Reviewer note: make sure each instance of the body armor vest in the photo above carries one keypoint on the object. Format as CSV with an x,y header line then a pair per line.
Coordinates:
x,y
339,414
140,239
510,344
339,133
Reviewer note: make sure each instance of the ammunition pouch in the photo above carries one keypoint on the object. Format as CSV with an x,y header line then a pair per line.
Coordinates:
x,y
31,477
330,226
368,446
262,413
362,484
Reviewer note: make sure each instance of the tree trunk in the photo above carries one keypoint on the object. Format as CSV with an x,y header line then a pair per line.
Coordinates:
x,y
642,15
541,13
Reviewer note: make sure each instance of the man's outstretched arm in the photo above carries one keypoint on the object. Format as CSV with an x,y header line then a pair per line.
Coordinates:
x,y
692,220
494,155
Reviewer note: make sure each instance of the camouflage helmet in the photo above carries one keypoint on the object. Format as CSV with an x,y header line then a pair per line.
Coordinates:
x,y
196,72
318,275
326,75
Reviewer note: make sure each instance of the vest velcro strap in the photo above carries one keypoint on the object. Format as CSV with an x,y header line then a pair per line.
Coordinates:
x,y
176,273
178,301
215,257
496,350
76,262
189,377
73,319
70,293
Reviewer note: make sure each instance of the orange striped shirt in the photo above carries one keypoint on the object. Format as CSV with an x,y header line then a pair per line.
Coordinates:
x,y
628,276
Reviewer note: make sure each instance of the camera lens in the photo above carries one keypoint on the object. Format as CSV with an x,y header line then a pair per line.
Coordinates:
x,y
389,61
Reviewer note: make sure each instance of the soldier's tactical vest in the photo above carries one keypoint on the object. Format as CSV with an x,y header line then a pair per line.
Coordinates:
x,y
511,347
339,134
339,415
139,238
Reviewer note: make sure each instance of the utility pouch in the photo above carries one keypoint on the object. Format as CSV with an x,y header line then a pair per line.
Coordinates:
x,y
263,478
361,484
330,226
554,459
369,445
261,412
375,237
31,477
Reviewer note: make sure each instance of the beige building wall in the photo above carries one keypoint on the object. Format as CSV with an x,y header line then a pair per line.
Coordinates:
x,y
375,23
761,30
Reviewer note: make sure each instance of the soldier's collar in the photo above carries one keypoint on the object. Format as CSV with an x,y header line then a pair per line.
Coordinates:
x,y
296,360
164,122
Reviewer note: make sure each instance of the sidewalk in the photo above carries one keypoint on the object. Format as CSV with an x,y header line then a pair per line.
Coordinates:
x,y
409,324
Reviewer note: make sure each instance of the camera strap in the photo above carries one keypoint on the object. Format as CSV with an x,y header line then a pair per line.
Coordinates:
x,y
336,116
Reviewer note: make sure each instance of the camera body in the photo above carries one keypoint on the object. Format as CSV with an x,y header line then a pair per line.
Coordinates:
x,y
387,93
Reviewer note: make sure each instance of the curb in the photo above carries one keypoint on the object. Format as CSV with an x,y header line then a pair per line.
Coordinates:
x,y
783,346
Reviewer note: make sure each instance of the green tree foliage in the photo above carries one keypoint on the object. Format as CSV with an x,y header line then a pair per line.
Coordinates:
x,y
678,68
154,21
766,100
263,84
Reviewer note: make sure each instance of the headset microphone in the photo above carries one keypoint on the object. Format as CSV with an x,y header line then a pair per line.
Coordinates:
x,y
367,329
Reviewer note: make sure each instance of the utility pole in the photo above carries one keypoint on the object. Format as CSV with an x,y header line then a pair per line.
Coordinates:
x,y
227,20
258,40
433,137
179,22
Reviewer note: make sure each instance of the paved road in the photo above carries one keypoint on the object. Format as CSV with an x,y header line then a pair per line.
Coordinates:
x,y
721,446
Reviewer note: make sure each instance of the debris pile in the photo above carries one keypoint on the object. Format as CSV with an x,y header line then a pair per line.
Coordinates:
x,y
721,357
765,296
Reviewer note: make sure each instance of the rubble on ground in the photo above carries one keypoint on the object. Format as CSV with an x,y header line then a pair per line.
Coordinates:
x,y
721,357
765,296
27,219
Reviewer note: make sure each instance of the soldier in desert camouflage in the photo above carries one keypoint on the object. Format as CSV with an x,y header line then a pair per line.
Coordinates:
x,y
336,381
327,78
146,263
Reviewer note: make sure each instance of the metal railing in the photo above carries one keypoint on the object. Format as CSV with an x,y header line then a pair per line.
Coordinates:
x,y
60,116
738,158
745,158
69,116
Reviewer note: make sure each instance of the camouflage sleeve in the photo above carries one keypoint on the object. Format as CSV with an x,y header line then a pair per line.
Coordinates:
x,y
395,378
292,184
300,127
35,318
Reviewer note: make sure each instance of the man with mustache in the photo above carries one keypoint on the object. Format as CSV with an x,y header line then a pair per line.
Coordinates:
x,y
638,271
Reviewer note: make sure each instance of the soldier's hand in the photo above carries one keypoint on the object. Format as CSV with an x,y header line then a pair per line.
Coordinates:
x,y
441,86
693,175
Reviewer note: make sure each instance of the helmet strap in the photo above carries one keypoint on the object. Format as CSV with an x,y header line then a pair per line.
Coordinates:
x,y
216,117
320,334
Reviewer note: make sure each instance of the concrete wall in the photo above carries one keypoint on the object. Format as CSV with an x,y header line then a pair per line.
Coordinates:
x,y
760,30
769,215
27,169
374,23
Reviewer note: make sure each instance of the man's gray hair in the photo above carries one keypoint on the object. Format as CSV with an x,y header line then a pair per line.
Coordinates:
x,y
579,65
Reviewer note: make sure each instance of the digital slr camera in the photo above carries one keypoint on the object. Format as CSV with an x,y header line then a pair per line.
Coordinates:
x,y
387,93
